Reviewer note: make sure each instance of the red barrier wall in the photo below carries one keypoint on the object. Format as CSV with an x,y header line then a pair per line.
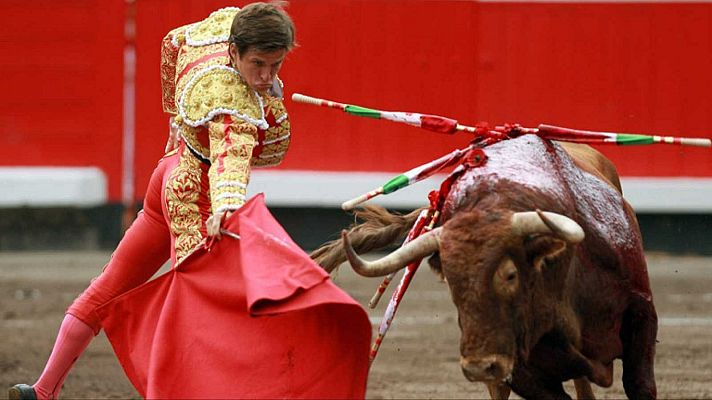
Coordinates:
x,y
640,68
60,79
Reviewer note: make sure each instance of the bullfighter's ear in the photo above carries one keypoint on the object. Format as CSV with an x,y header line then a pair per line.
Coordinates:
x,y
543,247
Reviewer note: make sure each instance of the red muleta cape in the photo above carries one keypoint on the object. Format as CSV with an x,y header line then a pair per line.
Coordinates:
x,y
251,318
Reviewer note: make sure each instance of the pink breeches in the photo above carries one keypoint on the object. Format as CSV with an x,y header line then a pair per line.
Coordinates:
x,y
143,250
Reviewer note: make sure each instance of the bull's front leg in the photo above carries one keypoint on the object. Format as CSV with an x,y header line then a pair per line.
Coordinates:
x,y
555,355
638,333
583,389
594,370
499,391
581,385
530,385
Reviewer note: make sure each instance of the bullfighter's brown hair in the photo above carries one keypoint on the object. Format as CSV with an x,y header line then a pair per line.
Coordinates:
x,y
265,27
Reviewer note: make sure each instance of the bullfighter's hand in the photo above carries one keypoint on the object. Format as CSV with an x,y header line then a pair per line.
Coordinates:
x,y
172,142
214,223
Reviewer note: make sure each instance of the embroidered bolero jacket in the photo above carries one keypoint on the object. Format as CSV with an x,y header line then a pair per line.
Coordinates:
x,y
220,118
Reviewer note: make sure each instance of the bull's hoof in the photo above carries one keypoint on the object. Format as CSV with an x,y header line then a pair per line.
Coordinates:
x,y
601,375
22,392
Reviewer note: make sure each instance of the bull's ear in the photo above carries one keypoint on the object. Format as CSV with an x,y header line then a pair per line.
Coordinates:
x,y
543,247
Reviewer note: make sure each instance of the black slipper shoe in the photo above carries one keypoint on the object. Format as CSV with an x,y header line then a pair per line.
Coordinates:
x,y
22,392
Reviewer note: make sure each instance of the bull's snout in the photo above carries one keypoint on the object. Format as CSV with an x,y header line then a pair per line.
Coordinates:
x,y
491,368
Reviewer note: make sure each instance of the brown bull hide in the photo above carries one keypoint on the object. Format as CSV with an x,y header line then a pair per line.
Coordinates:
x,y
533,310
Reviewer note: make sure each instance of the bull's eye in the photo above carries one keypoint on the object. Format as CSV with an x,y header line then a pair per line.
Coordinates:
x,y
506,279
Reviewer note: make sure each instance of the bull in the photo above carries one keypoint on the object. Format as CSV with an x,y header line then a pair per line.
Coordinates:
x,y
542,296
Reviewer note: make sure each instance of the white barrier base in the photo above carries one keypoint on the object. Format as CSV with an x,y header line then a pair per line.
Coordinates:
x,y
52,187
87,186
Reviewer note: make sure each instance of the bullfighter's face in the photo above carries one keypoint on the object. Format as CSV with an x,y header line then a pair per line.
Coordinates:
x,y
259,69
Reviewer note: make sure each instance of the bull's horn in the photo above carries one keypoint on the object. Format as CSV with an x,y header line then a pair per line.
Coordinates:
x,y
531,222
411,251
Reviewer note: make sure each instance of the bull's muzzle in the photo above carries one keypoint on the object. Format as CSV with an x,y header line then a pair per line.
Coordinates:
x,y
495,368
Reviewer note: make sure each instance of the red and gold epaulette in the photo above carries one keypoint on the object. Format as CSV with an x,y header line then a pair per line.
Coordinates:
x,y
219,89
183,49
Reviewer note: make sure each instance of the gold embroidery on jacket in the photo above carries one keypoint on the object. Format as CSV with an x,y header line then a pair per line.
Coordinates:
x,y
170,51
189,57
187,44
190,134
182,193
218,90
215,28
169,54
231,149
277,138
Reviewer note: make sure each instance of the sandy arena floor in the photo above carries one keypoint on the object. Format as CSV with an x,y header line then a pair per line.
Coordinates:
x,y
419,357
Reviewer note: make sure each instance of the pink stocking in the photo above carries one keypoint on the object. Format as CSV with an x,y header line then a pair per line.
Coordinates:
x,y
73,337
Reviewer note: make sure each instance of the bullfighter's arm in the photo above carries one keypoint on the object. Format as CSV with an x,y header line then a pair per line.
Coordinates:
x,y
231,143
